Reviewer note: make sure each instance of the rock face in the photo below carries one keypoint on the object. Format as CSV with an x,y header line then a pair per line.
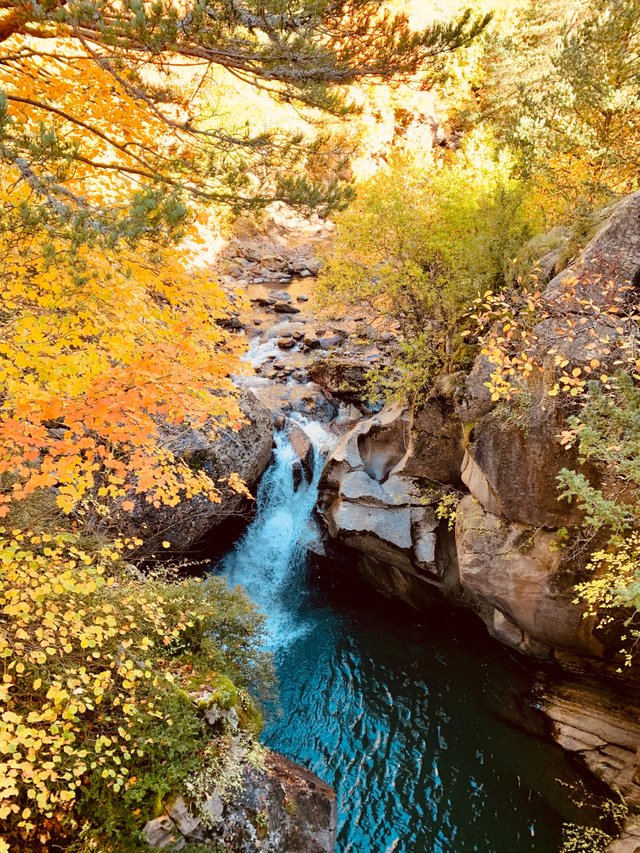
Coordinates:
x,y
245,452
281,808
436,451
523,589
370,505
511,468
504,563
603,730
614,252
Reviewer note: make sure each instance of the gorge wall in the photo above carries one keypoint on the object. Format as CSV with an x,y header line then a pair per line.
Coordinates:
x,y
495,553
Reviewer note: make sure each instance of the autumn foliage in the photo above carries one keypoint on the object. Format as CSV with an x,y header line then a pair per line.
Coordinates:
x,y
97,665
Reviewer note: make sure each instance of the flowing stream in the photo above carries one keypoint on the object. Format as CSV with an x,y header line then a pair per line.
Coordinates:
x,y
412,718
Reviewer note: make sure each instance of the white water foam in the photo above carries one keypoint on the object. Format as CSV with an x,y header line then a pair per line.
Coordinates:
x,y
258,354
267,561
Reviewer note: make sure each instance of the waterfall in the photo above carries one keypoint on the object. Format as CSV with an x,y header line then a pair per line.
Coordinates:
x,y
269,560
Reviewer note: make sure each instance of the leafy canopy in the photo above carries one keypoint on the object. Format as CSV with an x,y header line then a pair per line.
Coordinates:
x,y
107,159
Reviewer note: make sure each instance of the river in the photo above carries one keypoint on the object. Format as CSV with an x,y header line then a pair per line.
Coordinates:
x,y
414,719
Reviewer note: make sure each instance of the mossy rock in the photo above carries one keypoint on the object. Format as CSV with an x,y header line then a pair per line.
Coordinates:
x,y
221,692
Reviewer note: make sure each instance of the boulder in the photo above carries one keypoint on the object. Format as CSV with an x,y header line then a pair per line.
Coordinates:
x,y
612,254
286,342
436,446
513,568
302,446
370,506
285,308
245,452
343,378
280,808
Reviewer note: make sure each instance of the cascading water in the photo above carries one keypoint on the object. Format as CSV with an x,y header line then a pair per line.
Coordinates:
x,y
270,557
409,717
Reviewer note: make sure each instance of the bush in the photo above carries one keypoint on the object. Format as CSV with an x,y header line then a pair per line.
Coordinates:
x,y
422,241
98,662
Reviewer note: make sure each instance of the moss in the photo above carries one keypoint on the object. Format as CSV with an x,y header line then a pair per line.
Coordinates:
x,y
221,692
249,714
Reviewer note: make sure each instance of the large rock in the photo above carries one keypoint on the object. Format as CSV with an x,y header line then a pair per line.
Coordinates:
x,y
342,377
511,467
520,584
436,440
246,452
603,729
369,505
280,808
612,254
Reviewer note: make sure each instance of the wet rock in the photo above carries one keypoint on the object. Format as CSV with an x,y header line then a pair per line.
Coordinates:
x,y
286,343
302,297
302,446
328,342
282,296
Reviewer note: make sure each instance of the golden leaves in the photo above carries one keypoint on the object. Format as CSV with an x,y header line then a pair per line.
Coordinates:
x,y
75,645
106,364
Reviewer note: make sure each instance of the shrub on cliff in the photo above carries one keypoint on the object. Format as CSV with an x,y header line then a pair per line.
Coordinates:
x,y
97,727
